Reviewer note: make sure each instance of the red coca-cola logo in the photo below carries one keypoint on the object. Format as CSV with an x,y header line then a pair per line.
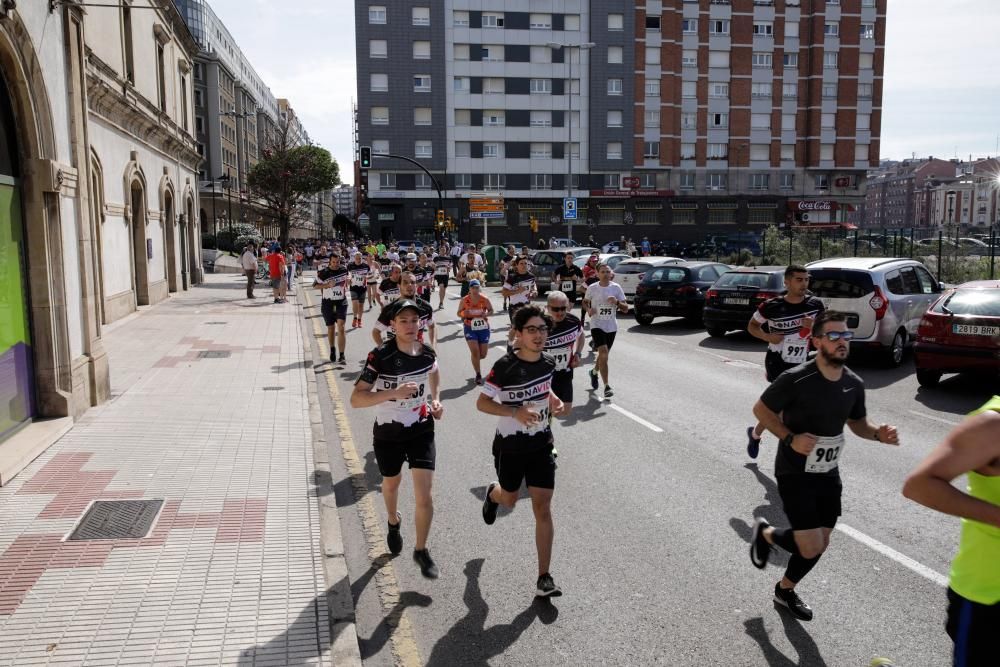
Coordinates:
x,y
815,205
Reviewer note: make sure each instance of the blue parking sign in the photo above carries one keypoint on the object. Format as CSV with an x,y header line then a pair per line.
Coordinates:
x,y
569,208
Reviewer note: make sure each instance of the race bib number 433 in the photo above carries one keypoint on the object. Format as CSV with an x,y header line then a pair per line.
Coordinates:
x,y
825,456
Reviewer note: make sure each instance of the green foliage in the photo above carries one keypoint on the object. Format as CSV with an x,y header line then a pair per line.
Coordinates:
x,y
208,242
230,238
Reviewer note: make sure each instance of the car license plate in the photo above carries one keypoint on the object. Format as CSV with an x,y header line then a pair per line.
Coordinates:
x,y
660,303
735,301
974,330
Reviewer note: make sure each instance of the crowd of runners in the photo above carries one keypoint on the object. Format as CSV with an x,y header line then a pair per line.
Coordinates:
x,y
812,396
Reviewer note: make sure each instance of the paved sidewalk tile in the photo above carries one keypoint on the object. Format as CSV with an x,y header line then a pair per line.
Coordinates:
x,y
231,570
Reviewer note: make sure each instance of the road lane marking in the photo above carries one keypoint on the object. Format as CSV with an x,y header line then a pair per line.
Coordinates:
x,y
668,342
933,418
636,418
404,644
892,554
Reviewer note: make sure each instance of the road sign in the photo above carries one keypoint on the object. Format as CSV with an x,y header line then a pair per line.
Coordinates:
x,y
569,208
478,215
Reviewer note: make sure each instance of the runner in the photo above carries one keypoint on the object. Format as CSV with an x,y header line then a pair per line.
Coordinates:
x,y
407,290
506,266
789,319
564,345
359,287
388,289
568,278
972,449
518,289
806,408
590,277
601,301
425,277
442,269
475,310
468,271
333,281
517,390
403,373
374,278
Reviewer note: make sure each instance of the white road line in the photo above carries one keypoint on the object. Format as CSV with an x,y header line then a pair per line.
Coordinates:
x,y
891,553
636,418
667,341
933,418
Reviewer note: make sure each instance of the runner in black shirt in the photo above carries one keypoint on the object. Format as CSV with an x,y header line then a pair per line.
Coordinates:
x,y
424,274
333,281
388,289
806,408
407,290
442,269
564,344
518,289
789,319
568,278
517,390
401,379
359,286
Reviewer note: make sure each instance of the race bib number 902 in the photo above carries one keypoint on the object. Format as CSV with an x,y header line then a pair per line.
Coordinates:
x,y
825,456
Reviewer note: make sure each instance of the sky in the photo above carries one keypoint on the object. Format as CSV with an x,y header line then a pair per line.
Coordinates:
x,y
941,95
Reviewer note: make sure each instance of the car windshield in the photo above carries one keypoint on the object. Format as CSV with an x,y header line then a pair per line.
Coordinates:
x,y
840,283
976,302
669,275
629,267
747,279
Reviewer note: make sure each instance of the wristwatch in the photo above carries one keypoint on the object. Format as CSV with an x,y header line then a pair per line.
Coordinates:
x,y
787,440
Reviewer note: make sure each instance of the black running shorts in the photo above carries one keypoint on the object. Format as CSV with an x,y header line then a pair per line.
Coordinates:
x,y
562,385
536,467
441,280
774,366
972,626
358,293
333,311
602,337
418,450
810,501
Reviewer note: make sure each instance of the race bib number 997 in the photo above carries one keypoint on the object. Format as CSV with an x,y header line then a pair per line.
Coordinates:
x,y
825,456
794,349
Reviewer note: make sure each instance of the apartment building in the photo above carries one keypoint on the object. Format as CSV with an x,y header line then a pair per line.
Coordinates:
x,y
675,117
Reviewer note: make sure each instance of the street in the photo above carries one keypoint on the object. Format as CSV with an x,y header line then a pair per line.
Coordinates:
x,y
654,503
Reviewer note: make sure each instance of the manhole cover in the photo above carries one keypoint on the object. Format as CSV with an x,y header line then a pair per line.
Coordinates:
x,y
214,354
273,388
117,520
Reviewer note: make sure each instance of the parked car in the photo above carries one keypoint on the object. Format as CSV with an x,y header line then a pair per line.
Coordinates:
x,y
884,299
418,246
735,296
630,272
613,246
960,332
612,259
545,261
675,289
564,243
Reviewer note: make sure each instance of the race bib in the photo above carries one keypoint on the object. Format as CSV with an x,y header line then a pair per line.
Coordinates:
x,y
358,279
335,293
794,349
605,313
542,408
479,324
825,456
566,286
561,357
441,271
418,398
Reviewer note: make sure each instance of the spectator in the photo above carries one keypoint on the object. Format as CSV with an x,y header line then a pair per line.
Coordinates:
x,y
542,244
276,270
290,267
248,260
646,246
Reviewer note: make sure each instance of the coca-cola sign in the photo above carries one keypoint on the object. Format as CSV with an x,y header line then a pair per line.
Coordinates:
x,y
815,205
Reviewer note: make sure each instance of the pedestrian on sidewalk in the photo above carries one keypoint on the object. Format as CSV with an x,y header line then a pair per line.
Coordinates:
x,y
276,270
290,265
248,260
400,379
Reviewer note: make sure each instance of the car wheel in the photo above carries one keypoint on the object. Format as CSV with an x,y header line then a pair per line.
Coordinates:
x,y
716,331
894,355
643,320
928,378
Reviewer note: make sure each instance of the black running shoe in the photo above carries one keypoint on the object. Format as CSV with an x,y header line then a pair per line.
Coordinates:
x,y
479,378
753,443
790,600
342,360
428,568
393,539
490,507
546,588
608,391
593,378
333,355
760,550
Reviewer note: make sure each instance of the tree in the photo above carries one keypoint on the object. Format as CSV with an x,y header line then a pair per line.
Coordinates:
x,y
287,175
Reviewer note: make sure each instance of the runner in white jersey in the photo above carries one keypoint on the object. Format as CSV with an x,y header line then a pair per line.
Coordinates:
x,y
603,301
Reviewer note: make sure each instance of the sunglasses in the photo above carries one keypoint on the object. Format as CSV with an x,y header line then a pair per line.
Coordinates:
x,y
557,309
834,336
535,330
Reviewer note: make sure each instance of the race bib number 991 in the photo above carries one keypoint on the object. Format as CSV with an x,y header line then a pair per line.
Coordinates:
x,y
561,357
825,456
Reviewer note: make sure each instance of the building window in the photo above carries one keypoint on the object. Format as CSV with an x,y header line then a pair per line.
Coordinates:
x,y
540,21
821,182
380,147
864,91
421,16
718,90
652,119
571,22
461,84
689,26
380,115
184,103
787,152
787,180
386,181
541,181
864,121
463,149
867,31
652,24
867,3
718,120
460,19
717,151
463,181
789,90
199,98
493,85
494,118
612,181
422,116
760,121
829,91
463,118
787,121
647,181
494,181
492,53
422,83
199,124
686,180
652,55
421,50
539,86
616,22
614,150
614,119
689,89
377,15
653,87
614,86
830,60
614,55
492,150
541,119
760,90
716,181
424,182
687,151
161,77
651,150
718,58
127,43
379,83
689,57
689,121
790,60
377,48
460,51
541,151
759,181
492,20
866,60
763,29
828,121
831,29
791,30
761,59
718,27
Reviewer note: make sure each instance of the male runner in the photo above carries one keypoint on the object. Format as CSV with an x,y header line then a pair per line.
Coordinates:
x,y
517,390
475,310
388,289
564,345
972,449
602,301
374,278
442,269
333,280
425,277
789,319
518,289
568,278
506,266
359,270
590,277
407,290
404,375
806,408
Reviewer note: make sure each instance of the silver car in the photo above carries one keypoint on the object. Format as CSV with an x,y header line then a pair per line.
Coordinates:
x,y
545,262
883,298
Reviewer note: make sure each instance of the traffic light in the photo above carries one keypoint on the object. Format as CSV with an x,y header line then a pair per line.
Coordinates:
x,y
534,225
366,157
440,216
363,189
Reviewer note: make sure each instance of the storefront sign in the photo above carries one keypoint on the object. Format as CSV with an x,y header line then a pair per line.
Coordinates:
x,y
813,205
631,193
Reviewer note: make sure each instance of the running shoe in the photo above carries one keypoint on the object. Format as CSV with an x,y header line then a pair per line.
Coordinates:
x,y
790,600
593,378
760,550
428,568
546,588
608,391
490,507
333,355
479,378
753,443
342,360
394,540
441,306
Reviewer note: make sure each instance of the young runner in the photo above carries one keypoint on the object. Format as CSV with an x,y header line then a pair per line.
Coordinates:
x,y
518,391
518,290
388,289
602,301
359,286
506,266
407,290
475,310
590,277
568,279
333,280
425,277
564,344
468,271
401,379
374,278
442,269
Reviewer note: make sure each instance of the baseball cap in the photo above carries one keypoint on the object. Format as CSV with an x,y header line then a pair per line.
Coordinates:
x,y
400,305
411,255
474,283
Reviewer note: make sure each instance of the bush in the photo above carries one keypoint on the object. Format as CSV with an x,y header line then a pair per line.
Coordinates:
x,y
229,236
208,242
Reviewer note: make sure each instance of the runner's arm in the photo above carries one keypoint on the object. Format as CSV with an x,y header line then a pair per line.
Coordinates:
x,y
432,334
864,428
364,397
756,329
771,420
377,335
971,445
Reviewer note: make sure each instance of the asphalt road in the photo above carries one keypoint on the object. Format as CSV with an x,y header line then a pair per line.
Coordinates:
x,y
652,522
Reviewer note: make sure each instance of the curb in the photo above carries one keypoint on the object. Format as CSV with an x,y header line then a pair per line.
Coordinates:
x,y
344,647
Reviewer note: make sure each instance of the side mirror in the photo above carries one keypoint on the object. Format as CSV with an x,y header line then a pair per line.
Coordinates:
x,y
941,287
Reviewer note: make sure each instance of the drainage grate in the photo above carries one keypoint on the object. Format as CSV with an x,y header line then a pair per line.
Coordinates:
x,y
272,388
214,354
117,520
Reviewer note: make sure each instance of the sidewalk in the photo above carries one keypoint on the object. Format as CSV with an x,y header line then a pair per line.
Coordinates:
x,y
209,414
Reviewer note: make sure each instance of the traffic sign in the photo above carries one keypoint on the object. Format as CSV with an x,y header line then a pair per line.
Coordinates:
x,y
486,214
569,208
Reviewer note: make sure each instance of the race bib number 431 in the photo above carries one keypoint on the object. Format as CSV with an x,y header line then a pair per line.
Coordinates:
x,y
825,456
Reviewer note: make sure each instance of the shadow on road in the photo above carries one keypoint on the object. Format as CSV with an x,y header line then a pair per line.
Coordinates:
x,y
770,510
383,631
290,367
959,394
480,493
808,652
677,326
584,412
469,642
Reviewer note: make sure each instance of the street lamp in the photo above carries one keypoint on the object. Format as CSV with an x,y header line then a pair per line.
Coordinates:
x,y
586,46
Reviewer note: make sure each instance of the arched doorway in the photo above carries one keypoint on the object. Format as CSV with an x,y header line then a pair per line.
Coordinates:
x,y
169,242
17,374
140,257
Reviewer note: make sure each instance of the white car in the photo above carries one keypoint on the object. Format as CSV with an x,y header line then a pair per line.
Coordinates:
x,y
630,272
